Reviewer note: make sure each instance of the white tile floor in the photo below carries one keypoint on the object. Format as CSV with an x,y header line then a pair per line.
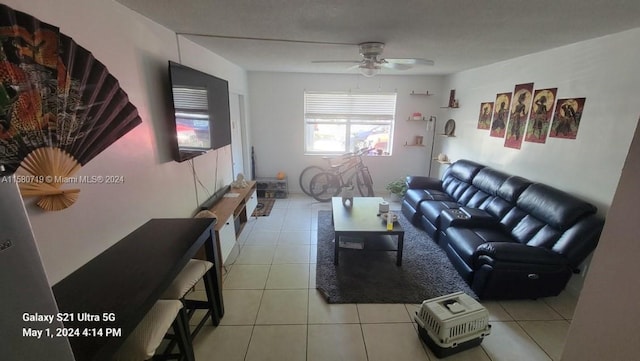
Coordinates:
x,y
273,311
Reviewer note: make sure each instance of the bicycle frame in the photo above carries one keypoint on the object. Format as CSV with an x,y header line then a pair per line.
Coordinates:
x,y
328,184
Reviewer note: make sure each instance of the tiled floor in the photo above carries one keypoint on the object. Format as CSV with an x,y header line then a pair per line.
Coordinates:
x,y
273,311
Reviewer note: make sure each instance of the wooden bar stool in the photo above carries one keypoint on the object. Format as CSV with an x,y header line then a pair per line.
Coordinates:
x,y
187,278
144,341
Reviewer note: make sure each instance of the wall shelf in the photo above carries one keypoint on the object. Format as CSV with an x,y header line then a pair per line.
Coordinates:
x,y
271,187
413,145
442,161
422,119
423,93
450,107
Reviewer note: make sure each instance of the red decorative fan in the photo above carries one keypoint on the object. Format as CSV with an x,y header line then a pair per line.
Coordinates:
x,y
59,108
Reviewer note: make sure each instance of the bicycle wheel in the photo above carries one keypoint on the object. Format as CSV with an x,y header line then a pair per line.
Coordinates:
x,y
305,178
324,185
364,183
357,182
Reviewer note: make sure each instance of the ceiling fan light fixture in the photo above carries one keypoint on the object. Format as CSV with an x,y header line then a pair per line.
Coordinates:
x,y
369,72
369,68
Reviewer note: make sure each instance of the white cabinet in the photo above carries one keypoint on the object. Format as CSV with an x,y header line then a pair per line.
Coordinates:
x,y
252,203
233,211
227,238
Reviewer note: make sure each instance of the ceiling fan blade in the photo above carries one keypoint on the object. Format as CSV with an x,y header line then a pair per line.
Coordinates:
x,y
336,61
396,66
410,61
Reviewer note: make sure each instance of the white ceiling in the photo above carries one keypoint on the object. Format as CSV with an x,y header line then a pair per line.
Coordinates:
x,y
286,35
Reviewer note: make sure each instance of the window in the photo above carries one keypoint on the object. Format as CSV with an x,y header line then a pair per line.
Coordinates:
x,y
341,122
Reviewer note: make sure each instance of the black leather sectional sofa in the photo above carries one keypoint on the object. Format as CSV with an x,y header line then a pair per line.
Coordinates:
x,y
508,237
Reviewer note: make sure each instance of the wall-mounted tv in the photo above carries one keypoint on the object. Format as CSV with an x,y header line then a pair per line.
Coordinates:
x,y
201,119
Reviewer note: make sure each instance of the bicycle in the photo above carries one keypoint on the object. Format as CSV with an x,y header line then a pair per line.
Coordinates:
x,y
309,172
323,186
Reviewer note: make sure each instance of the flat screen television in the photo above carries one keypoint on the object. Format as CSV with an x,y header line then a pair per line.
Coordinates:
x,y
201,118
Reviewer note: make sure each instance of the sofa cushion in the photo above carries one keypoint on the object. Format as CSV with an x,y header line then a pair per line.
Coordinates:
x,y
421,182
481,191
581,239
455,187
465,241
489,180
415,196
546,237
464,170
553,206
498,207
516,253
431,210
474,197
458,177
526,229
512,188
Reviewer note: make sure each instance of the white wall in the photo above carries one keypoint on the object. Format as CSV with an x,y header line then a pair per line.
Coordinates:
x,y
603,70
605,323
277,128
136,51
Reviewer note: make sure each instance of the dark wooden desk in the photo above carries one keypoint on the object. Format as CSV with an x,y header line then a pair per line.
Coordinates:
x,y
128,278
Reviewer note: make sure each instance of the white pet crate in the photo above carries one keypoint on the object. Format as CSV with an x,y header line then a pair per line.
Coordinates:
x,y
452,323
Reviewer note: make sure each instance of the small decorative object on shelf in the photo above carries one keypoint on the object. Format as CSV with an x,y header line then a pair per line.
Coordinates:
x,y
240,182
417,116
453,102
442,159
419,139
450,128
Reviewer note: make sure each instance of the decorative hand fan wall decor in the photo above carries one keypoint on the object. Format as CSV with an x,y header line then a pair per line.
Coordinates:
x,y
59,108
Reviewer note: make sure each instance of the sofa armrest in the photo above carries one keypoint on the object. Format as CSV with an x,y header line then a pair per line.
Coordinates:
x,y
421,182
493,252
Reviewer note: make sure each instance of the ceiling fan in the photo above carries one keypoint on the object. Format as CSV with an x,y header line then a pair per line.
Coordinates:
x,y
371,62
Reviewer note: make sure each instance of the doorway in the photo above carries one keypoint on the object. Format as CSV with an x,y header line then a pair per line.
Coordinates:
x,y
236,106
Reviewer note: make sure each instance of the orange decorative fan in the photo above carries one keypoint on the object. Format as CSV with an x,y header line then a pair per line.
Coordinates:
x,y
59,108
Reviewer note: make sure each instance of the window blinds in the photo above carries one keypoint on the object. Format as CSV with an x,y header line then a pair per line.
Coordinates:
x,y
186,98
350,106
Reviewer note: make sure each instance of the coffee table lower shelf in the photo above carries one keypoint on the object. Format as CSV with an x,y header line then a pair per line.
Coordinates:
x,y
372,243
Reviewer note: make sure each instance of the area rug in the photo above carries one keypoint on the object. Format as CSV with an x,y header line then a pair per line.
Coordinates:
x,y
373,277
264,207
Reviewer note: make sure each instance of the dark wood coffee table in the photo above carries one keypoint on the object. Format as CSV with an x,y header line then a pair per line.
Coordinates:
x,y
362,220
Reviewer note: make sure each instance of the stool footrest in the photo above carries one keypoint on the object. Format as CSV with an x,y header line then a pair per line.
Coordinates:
x,y
197,304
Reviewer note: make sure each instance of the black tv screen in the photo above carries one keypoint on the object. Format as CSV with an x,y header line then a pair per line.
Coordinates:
x,y
201,118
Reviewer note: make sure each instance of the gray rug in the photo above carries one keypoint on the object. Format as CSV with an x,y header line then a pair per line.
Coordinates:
x,y
373,277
